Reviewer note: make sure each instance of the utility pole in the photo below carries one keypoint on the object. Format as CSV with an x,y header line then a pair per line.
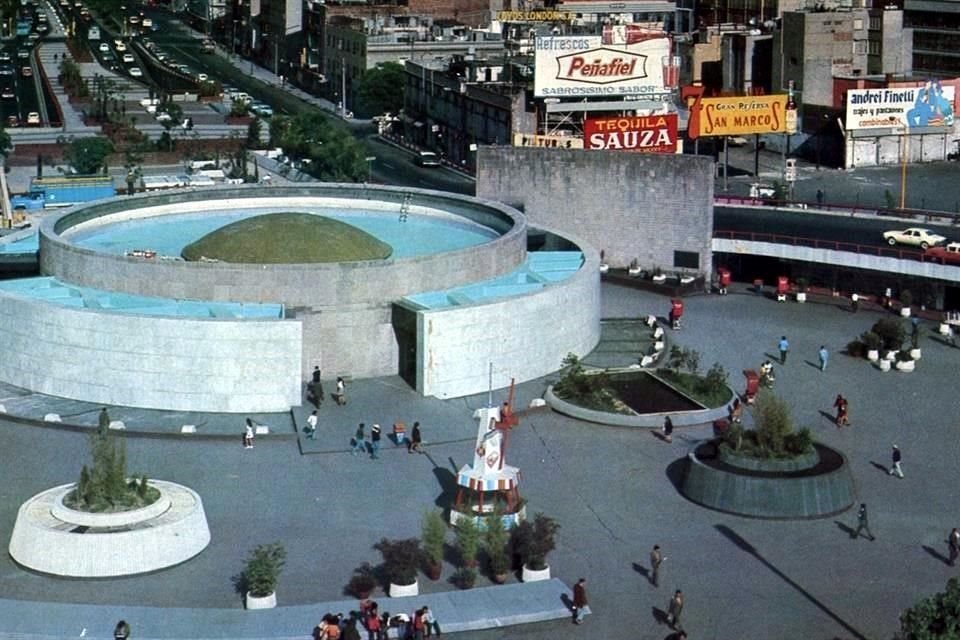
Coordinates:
x,y
343,89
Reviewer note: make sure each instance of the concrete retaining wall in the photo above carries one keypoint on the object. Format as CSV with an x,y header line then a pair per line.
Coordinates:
x,y
344,307
525,337
234,366
763,496
630,205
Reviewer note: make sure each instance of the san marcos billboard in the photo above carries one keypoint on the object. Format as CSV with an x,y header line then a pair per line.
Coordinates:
x,y
580,66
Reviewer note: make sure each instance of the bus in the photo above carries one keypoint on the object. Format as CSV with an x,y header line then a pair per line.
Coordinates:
x,y
24,27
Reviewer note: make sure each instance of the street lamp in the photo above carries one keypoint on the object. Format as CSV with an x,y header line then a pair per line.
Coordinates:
x,y
370,160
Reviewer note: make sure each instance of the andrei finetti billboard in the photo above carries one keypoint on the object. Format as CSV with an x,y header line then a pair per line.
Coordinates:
x,y
930,105
579,66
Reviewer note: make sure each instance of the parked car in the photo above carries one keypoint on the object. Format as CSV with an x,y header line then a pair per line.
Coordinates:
x,y
136,72
120,46
26,72
128,58
7,93
12,122
947,254
33,118
261,109
208,46
5,57
23,54
427,159
915,236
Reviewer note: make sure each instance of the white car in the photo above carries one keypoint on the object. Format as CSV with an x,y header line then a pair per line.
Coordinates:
x,y
915,236
128,58
136,72
104,47
33,118
120,46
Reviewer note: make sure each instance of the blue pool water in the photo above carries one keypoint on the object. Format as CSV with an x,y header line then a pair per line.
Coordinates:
x,y
26,244
67,295
169,234
539,269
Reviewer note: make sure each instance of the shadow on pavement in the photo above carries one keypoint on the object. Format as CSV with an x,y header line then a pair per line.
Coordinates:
x,y
846,529
746,547
675,472
936,554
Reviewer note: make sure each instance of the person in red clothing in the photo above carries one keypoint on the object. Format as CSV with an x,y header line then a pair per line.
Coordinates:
x,y
417,625
373,624
579,600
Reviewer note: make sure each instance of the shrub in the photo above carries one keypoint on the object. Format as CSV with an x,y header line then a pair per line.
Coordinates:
x,y
262,572
589,390
715,381
363,581
773,436
468,541
496,537
682,358
433,531
401,559
533,540
856,349
903,356
871,340
890,331
465,577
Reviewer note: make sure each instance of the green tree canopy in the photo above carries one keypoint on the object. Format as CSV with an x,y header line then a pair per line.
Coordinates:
x,y
328,153
933,618
381,89
87,155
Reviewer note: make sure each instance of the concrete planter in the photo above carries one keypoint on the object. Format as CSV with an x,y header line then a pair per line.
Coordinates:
x,y
944,329
604,267
265,602
531,575
659,279
873,355
890,355
633,272
404,590
905,312
801,296
884,365
915,354
905,365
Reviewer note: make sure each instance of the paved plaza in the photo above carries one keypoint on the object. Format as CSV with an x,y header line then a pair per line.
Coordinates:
x,y
611,489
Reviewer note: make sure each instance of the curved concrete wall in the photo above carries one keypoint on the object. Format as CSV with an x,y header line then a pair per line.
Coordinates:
x,y
344,308
525,337
187,364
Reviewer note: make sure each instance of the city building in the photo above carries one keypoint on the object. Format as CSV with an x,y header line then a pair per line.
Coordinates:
x,y
936,36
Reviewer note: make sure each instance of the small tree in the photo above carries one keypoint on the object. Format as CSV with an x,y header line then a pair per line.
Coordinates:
x,y
262,571
433,531
496,537
773,422
533,540
935,617
891,333
716,379
401,559
468,541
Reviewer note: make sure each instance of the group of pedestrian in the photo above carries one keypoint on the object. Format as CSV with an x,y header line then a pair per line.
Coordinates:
x,y
416,626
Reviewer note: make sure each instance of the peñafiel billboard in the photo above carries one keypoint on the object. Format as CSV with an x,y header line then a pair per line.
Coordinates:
x,y
581,66
930,105
643,134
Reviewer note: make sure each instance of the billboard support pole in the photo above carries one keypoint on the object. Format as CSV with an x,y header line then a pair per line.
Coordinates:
x,y
756,155
726,162
904,152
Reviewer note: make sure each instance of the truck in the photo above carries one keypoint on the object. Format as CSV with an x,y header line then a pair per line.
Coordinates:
x,y
48,193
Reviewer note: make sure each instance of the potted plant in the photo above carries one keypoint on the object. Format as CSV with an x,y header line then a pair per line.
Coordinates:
x,y
401,559
261,573
604,267
904,361
658,275
634,269
363,582
465,577
496,537
906,299
468,542
433,531
872,342
533,540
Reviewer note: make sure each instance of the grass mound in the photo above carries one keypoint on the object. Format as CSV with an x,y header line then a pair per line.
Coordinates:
x,y
287,238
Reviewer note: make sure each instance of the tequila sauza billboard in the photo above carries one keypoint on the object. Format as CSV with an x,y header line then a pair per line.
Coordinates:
x,y
644,134
578,66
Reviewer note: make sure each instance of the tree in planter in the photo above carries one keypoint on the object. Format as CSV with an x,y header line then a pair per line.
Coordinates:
x,y
468,543
401,559
496,539
890,331
534,540
262,571
433,531
363,581
773,436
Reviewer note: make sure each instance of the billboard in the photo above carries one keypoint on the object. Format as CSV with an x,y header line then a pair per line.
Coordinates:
x,y
554,142
930,105
643,134
580,66
737,116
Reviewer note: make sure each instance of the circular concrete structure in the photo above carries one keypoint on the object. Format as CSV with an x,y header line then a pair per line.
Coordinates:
x,y
458,291
51,538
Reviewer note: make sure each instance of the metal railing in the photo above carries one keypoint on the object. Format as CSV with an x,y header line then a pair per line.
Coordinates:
x,y
883,251
926,215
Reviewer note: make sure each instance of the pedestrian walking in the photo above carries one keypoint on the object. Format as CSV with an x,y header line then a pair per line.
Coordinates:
x,y
674,609
667,429
953,542
824,355
819,196
122,630
862,523
736,411
579,600
359,441
248,435
896,457
375,442
341,394
656,559
854,302
840,404
783,346
416,439
315,388
311,428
